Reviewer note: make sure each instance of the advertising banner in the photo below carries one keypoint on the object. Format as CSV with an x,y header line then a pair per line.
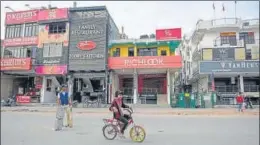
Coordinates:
x,y
145,62
21,41
21,17
168,34
51,14
246,66
23,99
16,64
51,70
87,41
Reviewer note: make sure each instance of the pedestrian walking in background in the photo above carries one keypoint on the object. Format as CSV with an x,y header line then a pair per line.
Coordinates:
x,y
248,103
240,101
63,105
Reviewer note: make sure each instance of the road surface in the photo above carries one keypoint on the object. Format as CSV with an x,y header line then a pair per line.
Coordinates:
x,y
21,128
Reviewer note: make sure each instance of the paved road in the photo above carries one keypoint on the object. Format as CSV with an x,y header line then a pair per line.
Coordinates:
x,y
36,129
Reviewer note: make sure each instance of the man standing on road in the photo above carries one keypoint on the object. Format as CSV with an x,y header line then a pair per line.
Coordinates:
x,y
240,101
64,103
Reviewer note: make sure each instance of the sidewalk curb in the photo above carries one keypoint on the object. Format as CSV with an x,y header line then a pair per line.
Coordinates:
x,y
174,112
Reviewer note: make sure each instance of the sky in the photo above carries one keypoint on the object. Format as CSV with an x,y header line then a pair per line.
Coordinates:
x,y
144,17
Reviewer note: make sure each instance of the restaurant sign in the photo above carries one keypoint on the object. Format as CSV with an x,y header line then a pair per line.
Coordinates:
x,y
15,64
145,62
21,41
246,66
21,17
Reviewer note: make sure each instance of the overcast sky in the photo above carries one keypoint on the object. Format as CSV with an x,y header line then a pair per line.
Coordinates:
x,y
144,17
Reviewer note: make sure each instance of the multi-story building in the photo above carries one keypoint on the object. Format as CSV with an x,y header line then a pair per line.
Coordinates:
x,y
144,69
91,29
52,52
20,45
223,55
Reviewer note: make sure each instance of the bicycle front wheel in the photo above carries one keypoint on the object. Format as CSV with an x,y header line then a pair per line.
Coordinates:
x,y
109,131
137,134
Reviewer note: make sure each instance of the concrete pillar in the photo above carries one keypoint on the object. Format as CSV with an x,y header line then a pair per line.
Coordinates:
x,y
43,89
70,86
168,86
241,81
135,77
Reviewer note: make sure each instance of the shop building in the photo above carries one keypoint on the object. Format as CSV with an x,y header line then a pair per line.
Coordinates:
x,y
18,62
91,28
144,69
223,56
52,52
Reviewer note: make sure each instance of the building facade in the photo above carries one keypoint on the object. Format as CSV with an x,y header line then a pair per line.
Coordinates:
x,y
20,46
143,69
52,52
91,28
223,56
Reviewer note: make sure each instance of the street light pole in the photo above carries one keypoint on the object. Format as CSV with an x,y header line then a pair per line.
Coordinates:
x,y
7,7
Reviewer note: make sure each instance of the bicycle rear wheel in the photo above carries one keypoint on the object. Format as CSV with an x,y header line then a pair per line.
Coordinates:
x,y
137,134
109,131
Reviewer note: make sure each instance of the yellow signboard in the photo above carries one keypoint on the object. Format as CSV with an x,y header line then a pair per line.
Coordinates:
x,y
207,54
240,53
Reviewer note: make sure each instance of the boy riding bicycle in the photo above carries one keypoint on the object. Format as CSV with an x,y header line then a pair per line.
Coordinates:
x,y
116,107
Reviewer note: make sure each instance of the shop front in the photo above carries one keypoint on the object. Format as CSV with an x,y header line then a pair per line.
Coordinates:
x,y
88,53
52,53
144,79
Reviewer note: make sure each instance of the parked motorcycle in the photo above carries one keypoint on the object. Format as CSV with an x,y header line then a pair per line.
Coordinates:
x,y
11,101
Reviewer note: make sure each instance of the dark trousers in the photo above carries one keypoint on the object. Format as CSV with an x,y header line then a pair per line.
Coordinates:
x,y
124,119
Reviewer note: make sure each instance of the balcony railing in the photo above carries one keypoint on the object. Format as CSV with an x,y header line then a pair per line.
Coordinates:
x,y
251,88
218,23
226,89
234,43
250,22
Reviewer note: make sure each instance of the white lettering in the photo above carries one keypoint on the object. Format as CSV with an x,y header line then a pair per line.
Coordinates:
x,y
86,56
146,62
13,62
22,15
51,61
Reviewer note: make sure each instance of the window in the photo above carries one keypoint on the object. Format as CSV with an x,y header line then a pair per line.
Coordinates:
x,y
248,54
17,52
116,53
55,28
52,50
13,31
248,37
131,51
31,30
228,40
163,53
147,52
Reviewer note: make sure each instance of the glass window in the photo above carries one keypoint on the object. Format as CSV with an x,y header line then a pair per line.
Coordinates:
x,y
147,52
228,40
163,53
131,51
116,53
46,50
248,37
57,28
248,54
13,31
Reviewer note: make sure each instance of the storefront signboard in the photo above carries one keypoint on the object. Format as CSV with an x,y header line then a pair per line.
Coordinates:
x,y
246,66
51,70
21,41
168,34
53,14
145,62
23,99
87,41
21,17
16,64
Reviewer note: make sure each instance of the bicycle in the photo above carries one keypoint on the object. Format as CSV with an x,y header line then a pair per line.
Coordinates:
x,y
115,125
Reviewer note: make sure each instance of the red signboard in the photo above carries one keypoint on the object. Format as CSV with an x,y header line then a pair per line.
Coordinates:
x,y
23,99
21,17
86,45
168,34
51,14
21,41
145,62
16,63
